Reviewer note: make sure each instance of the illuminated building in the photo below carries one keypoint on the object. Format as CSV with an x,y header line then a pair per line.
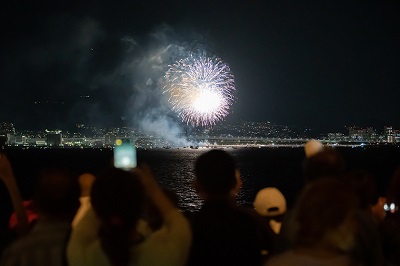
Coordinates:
x,y
109,139
7,128
54,138
3,139
396,134
362,134
20,140
389,134
7,132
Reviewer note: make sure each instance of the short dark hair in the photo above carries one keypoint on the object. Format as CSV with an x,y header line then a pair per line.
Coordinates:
x,y
215,172
364,185
326,163
323,206
57,192
117,193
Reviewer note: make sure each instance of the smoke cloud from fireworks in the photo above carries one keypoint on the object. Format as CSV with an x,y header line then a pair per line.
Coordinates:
x,y
124,75
149,107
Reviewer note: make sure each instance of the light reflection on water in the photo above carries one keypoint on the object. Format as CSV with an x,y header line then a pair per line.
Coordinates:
x,y
174,168
260,167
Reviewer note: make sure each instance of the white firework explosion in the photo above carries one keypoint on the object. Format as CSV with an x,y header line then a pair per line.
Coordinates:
x,y
200,89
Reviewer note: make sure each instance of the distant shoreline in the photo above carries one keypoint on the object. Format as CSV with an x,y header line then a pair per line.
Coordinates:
x,y
217,146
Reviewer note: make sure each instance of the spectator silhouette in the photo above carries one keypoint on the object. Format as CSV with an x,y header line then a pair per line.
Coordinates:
x,y
324,226
271,205
312,147
55,201
368,246
223,233
326,163
108,233
19,223
320,162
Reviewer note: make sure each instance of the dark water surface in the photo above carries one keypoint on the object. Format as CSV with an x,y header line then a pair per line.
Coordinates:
x,y
259,167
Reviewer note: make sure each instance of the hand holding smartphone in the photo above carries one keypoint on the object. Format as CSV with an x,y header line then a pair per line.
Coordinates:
x,y
124,155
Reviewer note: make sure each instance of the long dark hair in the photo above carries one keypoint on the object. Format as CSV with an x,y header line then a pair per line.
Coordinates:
x,y
117,198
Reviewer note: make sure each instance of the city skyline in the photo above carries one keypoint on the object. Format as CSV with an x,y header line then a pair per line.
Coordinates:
x,y
237,129
245,134
313,65
51,117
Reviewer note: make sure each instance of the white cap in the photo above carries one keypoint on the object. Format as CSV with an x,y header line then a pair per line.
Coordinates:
x,y
270,202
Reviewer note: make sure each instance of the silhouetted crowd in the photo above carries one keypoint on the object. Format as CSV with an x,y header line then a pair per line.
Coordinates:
x,y
118,217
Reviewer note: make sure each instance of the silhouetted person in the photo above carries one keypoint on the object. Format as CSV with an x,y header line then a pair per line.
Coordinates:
x,y
322,162
223,233
328,162
324,226
368,247
270,204
108,233
56,200
152,214
312,147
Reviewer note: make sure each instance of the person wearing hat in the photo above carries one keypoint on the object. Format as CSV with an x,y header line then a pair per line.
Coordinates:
x,y
271,204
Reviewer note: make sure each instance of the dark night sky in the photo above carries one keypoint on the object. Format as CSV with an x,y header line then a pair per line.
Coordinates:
x,y
320,64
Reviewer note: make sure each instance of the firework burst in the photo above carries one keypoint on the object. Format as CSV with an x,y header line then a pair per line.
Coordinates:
x,y
200,89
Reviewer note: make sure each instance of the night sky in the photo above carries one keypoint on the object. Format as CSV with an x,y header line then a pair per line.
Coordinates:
x,y
318,64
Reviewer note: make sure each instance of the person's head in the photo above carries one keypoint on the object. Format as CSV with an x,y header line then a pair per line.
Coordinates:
x,y
57,194
363,183
216,174
117,198
325,215
270,203
326,163
312,147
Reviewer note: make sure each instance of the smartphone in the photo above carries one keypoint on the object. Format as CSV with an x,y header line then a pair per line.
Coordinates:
x,y
124,155
390,207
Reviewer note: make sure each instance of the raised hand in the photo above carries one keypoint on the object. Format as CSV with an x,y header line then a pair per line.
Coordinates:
x,y
6,173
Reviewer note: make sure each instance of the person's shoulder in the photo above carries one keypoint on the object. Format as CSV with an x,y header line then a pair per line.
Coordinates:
x,y
14,250
285,258
247,214
292,258
34,247
39,236
95,254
